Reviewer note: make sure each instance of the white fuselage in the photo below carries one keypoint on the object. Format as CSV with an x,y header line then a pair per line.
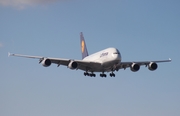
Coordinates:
x,y
108,58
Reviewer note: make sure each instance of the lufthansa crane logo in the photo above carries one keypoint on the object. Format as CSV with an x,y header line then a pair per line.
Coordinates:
x,y
82,46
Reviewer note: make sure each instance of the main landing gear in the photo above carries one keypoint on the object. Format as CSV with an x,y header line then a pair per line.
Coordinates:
x,y
112,74
101,75
89,74
104,75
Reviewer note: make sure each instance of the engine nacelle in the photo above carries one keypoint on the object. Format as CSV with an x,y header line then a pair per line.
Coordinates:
x,y
135,67
152,66
72,65
46,62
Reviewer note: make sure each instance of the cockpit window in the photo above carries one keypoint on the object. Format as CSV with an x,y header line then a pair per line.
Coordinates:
x,y
117,52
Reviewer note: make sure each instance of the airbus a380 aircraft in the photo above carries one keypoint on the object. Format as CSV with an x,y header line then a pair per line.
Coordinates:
x,y
107,60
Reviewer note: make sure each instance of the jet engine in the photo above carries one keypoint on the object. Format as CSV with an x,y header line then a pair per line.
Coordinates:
x,y
135,67
152,66
72,65
46,62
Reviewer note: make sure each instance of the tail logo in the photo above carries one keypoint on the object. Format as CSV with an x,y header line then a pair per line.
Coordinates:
x,y
82,46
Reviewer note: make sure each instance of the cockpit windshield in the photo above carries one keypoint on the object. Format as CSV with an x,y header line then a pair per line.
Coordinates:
x,y
117,52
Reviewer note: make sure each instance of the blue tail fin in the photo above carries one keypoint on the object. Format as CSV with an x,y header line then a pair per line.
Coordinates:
x,y
83,46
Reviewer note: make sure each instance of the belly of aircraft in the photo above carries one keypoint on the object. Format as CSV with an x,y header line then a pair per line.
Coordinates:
x,y
106,67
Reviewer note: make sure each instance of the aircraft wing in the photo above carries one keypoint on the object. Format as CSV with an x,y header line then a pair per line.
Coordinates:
x,y
124,65
82,65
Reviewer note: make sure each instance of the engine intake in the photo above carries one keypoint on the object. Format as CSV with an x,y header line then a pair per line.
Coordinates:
x,y
73,65
152,66
135,67
46,62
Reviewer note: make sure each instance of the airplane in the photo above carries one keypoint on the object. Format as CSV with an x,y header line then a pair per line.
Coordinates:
x,y
107,60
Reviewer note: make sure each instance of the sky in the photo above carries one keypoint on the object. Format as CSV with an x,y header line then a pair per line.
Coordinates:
x,y
140,29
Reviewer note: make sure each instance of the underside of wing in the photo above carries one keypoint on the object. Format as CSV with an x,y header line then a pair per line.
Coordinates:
x,y
135,65
70,63
77,64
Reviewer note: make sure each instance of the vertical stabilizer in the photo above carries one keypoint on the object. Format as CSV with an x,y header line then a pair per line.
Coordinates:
x,y
83,46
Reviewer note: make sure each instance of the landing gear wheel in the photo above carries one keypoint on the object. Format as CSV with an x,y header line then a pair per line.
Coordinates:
x,y
89,74
112,74
92,75
86,74
102,75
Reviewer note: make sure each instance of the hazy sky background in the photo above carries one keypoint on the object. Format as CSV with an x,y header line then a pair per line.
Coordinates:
x,y
140,29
